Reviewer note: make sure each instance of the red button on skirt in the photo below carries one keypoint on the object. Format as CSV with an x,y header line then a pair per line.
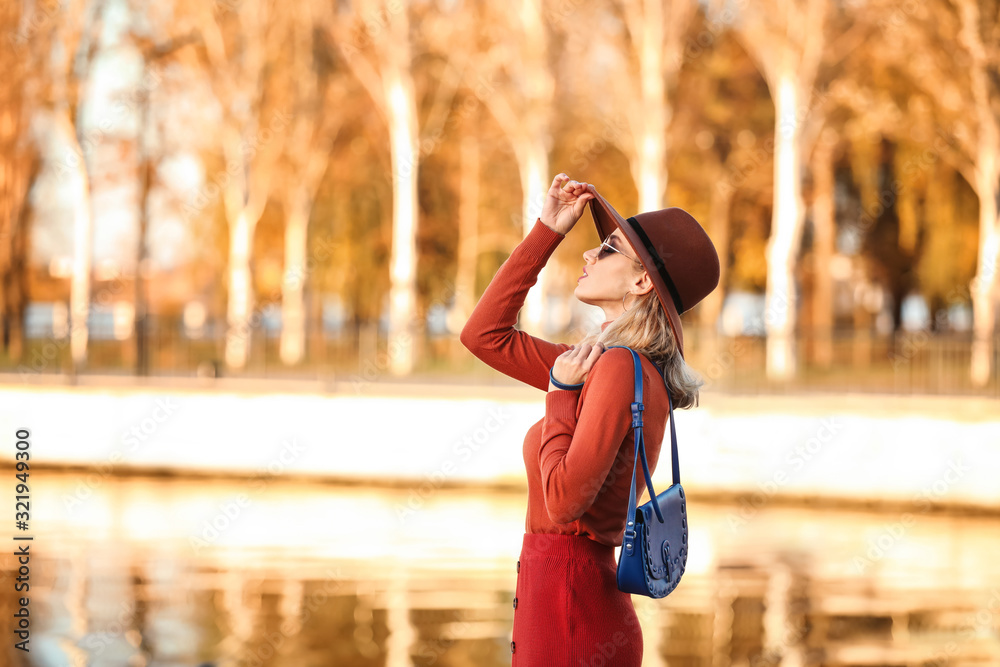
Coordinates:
x,y
569,609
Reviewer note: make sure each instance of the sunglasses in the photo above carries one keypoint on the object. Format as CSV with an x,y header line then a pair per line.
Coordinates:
x,y
606,249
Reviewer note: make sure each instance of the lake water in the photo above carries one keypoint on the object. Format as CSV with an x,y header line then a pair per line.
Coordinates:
x,y
245,571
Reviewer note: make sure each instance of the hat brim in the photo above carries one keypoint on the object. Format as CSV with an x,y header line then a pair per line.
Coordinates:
x,y
607,219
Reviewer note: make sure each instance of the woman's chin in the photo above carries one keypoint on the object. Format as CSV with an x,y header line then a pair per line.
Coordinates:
x,y
581,297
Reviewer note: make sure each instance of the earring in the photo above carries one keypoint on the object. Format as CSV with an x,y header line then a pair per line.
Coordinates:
x,y
623,300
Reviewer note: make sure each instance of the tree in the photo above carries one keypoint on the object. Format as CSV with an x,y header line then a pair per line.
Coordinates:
x,y
949,50
519,93
981,147
72,38
376,43
19,166
788,40
152,54
655,32
310,89
721,122
237,48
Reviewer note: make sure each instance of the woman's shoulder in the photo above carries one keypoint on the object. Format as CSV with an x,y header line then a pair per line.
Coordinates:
x,y
616,366
617,353
620,358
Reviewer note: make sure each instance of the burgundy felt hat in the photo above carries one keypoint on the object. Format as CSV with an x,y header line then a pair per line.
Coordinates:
x,y
674,250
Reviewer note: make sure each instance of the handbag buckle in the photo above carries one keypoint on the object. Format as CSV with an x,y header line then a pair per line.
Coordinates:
x,y
629,540
666,558
637,409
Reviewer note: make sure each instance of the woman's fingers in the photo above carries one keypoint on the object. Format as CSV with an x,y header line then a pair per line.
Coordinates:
x,y
568,185
593,356
574,364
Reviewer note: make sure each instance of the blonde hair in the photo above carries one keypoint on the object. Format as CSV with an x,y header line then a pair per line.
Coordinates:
x,y
644,328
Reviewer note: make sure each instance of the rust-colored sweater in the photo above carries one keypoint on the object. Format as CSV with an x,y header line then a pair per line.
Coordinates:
x,y
579,456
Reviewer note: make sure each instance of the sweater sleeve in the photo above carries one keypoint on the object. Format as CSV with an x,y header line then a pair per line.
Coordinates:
x,y
577,455
490,334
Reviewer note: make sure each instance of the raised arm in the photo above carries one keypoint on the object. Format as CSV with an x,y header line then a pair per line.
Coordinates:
x,y
490,333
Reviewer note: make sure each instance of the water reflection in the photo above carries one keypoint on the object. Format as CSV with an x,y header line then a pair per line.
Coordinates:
x,y
179,571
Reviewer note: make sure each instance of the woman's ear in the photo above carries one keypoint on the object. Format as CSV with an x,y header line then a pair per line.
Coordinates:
x,y
643,283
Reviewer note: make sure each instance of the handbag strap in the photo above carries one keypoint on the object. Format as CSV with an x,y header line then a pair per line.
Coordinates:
x,y
640,450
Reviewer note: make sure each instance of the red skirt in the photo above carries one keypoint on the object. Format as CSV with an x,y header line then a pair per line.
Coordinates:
x,y
568,611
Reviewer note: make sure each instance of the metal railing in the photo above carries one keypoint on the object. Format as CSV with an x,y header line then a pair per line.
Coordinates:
x,y
904,363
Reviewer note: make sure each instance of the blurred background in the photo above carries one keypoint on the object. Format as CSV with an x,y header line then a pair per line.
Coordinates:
x,y
239,238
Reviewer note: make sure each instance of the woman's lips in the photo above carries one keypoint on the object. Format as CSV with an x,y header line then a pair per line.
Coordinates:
x,y
583,276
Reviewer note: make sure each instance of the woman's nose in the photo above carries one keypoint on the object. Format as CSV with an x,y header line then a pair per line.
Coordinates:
x,y
590,255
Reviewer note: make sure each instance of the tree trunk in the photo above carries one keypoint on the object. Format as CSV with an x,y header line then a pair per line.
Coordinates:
x,y
534,168
718,228
240,301
244,199
984,285
79,299
530,134
402,117
14,297
141,302
987,185
651,172
293,321
786,228
468,234
824,232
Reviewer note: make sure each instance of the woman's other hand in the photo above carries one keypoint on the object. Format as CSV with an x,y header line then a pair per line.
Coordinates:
x,y
564,204
573,365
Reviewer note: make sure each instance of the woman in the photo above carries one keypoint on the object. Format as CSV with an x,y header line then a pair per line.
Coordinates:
x,y
649,269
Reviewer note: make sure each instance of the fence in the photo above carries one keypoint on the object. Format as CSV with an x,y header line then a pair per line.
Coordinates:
x,y
905,363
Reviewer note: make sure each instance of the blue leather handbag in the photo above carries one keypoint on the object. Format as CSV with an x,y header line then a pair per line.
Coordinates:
x,y
654,547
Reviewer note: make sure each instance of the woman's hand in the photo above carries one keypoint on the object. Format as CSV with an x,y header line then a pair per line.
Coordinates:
x,y
573,365
564,204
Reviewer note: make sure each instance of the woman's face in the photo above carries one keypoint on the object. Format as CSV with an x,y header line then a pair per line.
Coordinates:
x,y
608,275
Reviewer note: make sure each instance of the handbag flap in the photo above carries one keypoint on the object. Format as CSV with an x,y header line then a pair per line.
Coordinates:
x,y
666,542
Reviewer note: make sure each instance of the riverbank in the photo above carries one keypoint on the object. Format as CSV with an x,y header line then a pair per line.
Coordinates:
x,y
818,448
